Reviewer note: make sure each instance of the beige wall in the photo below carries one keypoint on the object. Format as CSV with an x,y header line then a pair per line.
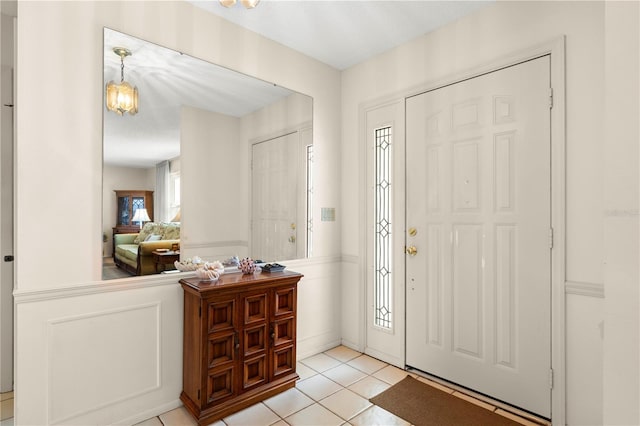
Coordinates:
x,y
501,30
73,141
59,164
69,137
620,162
213,163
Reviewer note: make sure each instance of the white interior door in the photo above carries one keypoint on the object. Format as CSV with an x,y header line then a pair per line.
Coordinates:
x,y
478,196
274,189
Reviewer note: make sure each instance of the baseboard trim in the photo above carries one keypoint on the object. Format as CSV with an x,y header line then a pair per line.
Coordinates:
x,y
148,414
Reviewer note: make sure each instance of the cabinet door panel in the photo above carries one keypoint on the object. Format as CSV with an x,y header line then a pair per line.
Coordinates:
x,y
220,384
255,308
254,372
283,361
221,315
285,301
284,331
255,340
220,349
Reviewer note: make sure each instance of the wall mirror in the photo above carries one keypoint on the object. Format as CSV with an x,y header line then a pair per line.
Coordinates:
x,y
214,164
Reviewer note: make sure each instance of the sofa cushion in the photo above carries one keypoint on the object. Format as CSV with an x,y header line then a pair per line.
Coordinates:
x,y
154,237
168,231
127,251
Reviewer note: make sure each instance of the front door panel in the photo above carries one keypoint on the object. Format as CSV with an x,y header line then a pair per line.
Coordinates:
x,y
478,196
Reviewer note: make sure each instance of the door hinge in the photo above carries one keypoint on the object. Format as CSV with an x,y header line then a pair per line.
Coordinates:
x,y
551,378
550,238
550,97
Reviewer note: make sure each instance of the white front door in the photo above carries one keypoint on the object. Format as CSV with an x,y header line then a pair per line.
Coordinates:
x,y
478,197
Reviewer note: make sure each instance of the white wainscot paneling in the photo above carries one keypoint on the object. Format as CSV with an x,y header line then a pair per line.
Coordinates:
x,y
352,295
115,352
585,317
319,309
99,354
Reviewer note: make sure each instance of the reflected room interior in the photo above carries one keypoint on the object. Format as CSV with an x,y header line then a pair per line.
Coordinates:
x,y
206,162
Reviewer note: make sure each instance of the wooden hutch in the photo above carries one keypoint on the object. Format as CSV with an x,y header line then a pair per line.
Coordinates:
x,y
127,202
239,341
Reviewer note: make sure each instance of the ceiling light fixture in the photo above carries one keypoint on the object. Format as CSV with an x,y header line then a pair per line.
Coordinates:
x,y
122,97
248,4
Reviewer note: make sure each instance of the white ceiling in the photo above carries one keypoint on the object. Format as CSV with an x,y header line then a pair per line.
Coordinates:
x,y
343,33
167,80
339,33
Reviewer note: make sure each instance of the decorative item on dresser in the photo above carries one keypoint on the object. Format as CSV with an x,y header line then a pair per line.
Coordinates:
x,y
239,341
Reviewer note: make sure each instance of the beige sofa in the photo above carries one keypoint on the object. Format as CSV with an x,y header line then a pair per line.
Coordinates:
x,y
133,252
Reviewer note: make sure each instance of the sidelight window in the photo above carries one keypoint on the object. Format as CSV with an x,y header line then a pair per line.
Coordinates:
x,y
382,240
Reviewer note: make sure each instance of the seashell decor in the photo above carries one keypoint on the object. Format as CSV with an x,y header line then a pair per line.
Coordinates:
x,y
189,264
211,271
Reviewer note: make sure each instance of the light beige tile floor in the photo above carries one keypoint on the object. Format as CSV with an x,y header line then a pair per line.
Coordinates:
x,y
333,390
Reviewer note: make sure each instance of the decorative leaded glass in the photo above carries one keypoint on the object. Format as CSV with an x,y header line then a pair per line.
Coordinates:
x,y
138,203
383,260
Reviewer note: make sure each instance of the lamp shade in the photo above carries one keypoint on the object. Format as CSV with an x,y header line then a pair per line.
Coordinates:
x,y
176,218
141,215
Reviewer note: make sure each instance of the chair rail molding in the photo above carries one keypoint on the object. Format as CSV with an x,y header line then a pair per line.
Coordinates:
x,y
584,289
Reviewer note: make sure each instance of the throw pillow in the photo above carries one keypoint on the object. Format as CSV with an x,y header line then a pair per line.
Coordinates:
x,y
171,232
154,237
148,229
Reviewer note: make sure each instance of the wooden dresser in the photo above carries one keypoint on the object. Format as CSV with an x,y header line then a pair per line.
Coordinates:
x,y
239,341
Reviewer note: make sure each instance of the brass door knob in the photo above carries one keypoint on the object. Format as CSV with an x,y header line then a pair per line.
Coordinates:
x,y
411,250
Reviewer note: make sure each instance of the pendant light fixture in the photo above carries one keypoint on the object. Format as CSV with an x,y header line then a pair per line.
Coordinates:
x,y
248,4
122,97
